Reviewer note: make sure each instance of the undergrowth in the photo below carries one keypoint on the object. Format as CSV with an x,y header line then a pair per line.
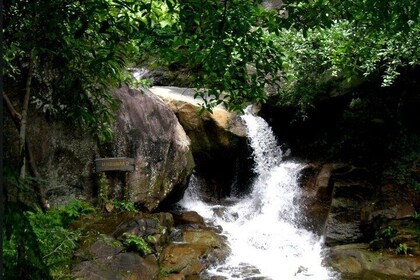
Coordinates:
x,y
38,245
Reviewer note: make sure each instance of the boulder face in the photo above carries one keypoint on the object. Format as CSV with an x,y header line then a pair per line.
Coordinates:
x,y
148,131
62,154
218,140
145,129
365,223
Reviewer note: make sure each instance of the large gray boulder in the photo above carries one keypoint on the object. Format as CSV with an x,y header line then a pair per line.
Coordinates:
x,y
145,129
64,155
148,131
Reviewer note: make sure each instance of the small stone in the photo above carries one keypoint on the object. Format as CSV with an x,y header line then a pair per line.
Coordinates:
x,y
109,207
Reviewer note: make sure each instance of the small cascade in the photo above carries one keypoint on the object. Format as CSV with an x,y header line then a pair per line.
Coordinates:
x,y
263,229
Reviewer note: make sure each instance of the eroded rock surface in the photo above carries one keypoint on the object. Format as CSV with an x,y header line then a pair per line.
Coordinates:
x,y
145,246
148,131
358,261
348,207
218,140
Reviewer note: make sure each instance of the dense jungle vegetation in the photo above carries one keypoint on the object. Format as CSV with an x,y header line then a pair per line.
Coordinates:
x,y
63,58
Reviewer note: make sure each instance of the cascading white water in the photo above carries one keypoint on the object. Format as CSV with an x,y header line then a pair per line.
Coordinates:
x,y
263,228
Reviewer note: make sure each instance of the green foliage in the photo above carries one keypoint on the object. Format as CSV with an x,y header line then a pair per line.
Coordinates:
x,y
125,206
22,253
138,243
74,210
142,83
40,245
18,188
81,51
384,239
403,170
235,49
389,234
228,47
402,249
336,44
103,189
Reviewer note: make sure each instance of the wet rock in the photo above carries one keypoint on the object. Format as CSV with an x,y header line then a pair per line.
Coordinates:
x,y
123,266
189,217
203,237
183,259
318,182
357,261
105,254
351,192
197,250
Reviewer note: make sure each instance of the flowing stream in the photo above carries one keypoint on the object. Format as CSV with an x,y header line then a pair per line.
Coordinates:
x,y
262,228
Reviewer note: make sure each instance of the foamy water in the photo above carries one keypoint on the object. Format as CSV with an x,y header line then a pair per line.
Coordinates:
x,y
263,229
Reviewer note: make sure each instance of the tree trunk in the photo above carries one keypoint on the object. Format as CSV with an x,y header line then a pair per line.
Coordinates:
x,y
33,171
24,118
27,157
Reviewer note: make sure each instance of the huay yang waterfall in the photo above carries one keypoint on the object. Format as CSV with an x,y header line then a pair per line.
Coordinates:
x,y
263,228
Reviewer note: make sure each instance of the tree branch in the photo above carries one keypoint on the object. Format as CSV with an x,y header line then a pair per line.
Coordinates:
x,y
16,117
222,23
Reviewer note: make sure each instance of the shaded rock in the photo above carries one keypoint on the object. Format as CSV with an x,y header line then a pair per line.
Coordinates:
x,y
397,233
393,209
62,153
188,217
174,74
124,266
138,226
316,198
203,237
344,204
351,192
103,247
318,182
357,261
342,230
147,130
101,256
392,203
218,141
184,259
155,228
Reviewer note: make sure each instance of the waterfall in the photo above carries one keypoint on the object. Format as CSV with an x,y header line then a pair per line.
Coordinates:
x,y
263,229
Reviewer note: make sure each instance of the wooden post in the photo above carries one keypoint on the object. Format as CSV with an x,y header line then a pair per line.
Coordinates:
x,y
117,164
